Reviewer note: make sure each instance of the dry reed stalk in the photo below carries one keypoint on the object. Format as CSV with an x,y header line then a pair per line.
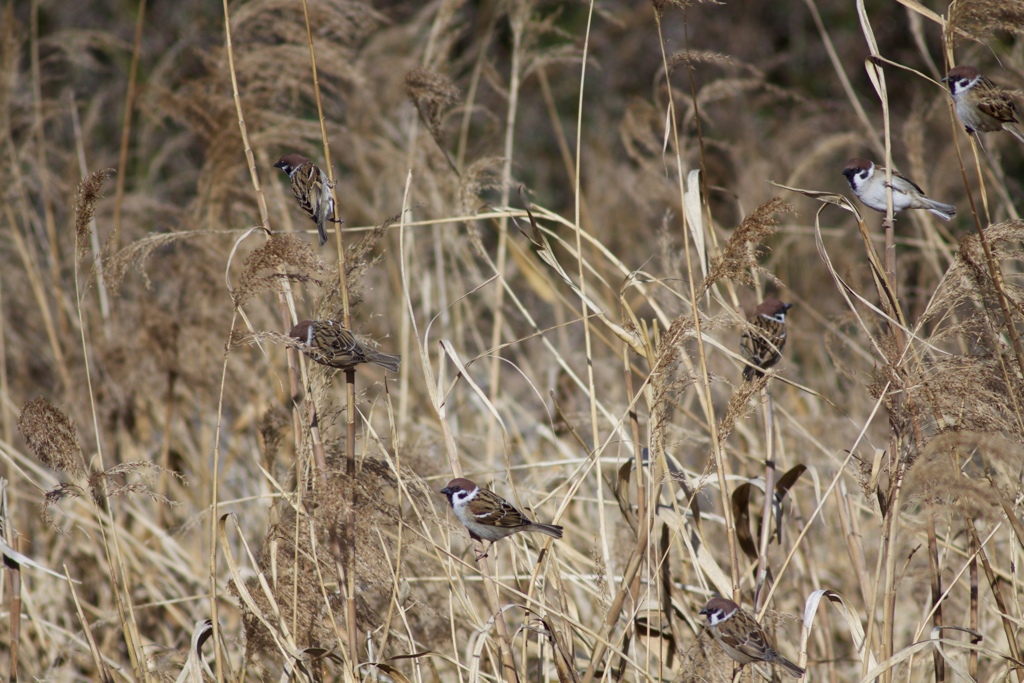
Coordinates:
x,y
97,657
595,437
284,295
1009,627
508,670
519,17
36,283
936,584
89,194
14,609
717,448
348,550
126,129
5,389
972,666
769,497
41,158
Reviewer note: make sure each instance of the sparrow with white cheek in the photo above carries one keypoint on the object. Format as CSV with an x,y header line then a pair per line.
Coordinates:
x,y
312,188
742,637
488,516
980,105
328,343
762,345
868,183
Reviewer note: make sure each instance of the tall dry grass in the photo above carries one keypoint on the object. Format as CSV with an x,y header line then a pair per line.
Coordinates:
x,y
560,215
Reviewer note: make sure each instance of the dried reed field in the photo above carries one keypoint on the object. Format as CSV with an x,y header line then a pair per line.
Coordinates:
x,y
579,225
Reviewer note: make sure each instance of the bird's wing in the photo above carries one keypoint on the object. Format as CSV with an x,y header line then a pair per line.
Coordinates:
x,y
1000,107
335,346
755,643
489,508
897,177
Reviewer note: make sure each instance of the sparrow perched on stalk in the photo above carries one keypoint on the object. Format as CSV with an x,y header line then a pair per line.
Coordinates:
x,y
328,343
762,345
488,516
868,183
980,105
313,190
742,637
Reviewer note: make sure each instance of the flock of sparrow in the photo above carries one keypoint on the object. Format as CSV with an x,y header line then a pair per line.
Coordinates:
x,y
489,517
486,515
980,106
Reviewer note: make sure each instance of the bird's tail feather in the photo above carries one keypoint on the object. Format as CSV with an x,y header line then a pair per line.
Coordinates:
x,y
790,666
1016,129
385,360
943,211
549,529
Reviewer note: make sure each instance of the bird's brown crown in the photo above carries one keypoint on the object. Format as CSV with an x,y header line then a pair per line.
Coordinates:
x,y
771,306
290,162
962,71
460,484
301,331
858,164
720,604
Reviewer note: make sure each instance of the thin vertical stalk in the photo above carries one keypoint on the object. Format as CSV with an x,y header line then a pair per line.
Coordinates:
x,y
718,449
5,389
933,563
889,539
14,609
769,498
94,239
349,549
41,163
595,436
126,127
519,19
285,296
440,406
972,661
1004,610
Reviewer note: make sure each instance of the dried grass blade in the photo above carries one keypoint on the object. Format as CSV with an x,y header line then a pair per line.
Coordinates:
x,y
195,665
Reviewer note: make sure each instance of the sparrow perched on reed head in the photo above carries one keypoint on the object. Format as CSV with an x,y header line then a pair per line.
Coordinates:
x,y
981,106
488,516
868,183
741,636
313,190
328,343
762,345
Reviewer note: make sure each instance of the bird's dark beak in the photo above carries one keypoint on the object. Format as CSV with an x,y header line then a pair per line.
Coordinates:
x,y
787,307
703,612
446,491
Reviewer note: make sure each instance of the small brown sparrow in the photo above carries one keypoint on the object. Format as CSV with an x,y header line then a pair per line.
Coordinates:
x,y
868,183
328,343
313,190
488,516
741,636
762,345
981,106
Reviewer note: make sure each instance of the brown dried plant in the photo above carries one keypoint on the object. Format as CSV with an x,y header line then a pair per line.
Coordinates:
x,y
85,209
433,94
54,440
743,251
290,258
980,19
